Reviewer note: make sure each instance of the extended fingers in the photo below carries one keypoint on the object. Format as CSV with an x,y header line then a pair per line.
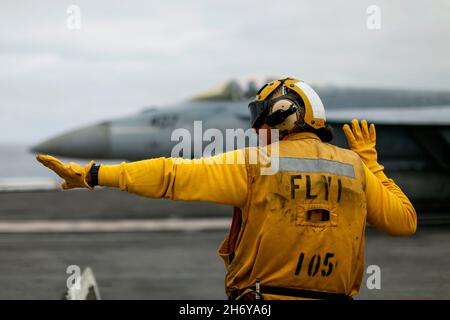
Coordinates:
x,y
372,132
356,129
49,161
365,130
52,163
348,133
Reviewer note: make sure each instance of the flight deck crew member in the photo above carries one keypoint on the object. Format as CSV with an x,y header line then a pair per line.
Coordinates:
x,y
295,234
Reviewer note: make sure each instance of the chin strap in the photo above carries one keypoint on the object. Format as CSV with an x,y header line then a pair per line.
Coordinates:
x,y
277,117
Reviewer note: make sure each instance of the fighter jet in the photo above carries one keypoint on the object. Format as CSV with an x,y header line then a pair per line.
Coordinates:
x,y
413,131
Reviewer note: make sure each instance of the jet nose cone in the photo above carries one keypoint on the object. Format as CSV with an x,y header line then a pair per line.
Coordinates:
x,y
87,142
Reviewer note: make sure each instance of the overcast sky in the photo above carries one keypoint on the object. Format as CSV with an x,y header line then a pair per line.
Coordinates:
x,y
131,54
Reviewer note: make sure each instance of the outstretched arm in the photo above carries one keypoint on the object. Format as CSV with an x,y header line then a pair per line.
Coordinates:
x,y
207,179
388,208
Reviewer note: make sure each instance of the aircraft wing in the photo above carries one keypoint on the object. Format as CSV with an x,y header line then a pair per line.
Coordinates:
x,y
425,115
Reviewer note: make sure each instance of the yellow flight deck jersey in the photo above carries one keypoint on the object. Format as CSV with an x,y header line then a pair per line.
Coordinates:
x,y
301,228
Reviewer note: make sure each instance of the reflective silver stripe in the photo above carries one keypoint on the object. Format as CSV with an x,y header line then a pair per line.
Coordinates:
x,y
316,165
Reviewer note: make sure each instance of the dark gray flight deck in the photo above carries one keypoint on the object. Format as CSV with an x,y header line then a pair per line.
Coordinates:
x,y
177,264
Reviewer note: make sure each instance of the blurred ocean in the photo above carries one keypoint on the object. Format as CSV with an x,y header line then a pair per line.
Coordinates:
x,y
17,162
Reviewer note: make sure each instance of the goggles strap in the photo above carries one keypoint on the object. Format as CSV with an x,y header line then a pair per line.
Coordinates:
x,y
277,117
